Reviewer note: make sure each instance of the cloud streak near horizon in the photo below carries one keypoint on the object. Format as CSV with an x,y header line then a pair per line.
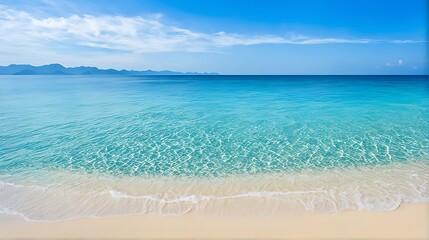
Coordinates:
x,y
137,34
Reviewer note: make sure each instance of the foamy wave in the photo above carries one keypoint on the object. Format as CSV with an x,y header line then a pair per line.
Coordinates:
x,y
9,211
55,196
22,186
194,198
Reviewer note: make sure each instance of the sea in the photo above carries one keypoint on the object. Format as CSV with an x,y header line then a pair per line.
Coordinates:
x,y
95,146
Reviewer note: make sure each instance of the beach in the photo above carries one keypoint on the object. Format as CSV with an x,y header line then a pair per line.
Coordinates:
x,y
409,221
160,119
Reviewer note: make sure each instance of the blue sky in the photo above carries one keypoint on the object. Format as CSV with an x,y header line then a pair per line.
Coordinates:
x,y
225,36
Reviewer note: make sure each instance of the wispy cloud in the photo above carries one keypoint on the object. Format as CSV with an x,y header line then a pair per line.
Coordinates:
x,y
398,63
138,34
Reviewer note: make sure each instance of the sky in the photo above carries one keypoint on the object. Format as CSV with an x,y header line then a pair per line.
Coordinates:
x,y
223,36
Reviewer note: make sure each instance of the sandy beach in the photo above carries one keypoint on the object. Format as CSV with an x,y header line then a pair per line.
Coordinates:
x,y
410,221
214,119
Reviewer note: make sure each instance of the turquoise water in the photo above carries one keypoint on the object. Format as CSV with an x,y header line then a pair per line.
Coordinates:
x,y
204,127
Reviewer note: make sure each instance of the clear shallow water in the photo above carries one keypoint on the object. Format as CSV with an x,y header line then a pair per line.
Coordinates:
x,y
207,129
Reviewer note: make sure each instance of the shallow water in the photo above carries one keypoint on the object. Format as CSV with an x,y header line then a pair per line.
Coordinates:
x,y
161,132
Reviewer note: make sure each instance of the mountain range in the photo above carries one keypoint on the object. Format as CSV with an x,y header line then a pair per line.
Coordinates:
x,y
58,69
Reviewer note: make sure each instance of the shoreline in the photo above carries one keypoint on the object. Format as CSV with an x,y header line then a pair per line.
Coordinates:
x,y
409,221
52,196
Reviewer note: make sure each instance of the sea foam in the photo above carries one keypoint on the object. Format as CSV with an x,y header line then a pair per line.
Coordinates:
x,y
67,195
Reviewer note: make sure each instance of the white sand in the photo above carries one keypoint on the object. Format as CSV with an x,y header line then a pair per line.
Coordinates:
x,y
410,221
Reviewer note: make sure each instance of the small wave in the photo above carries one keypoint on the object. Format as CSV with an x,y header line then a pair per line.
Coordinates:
x,y
194,198
22,186
9,211
74,195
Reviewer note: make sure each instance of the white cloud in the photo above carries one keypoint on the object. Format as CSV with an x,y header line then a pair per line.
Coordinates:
x,y
398,63
20,29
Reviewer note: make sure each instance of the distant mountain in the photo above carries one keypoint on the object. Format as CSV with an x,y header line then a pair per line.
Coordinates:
x,y
58,69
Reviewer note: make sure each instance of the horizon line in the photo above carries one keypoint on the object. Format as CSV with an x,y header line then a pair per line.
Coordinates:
x,y
186,73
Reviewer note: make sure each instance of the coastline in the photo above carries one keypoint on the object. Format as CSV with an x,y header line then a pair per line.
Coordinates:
x,y
409,221
58,196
